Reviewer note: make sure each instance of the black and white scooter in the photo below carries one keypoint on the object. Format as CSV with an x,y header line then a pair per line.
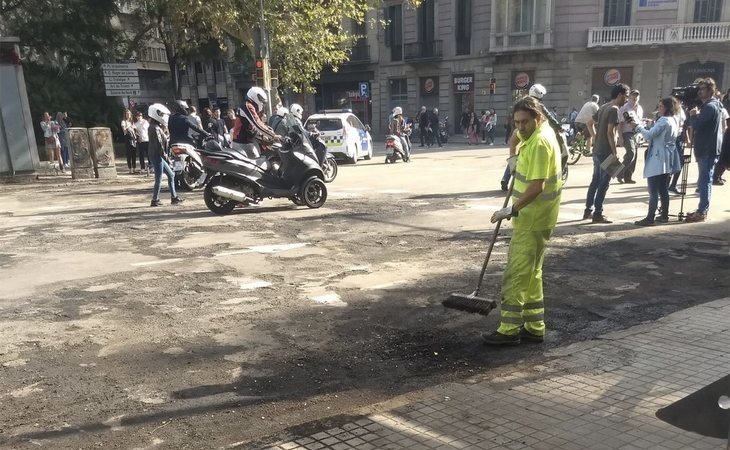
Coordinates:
x,y
235,179
188,166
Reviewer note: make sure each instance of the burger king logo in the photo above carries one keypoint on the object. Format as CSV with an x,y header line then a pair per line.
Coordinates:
x,y
428,85
522,80
612,77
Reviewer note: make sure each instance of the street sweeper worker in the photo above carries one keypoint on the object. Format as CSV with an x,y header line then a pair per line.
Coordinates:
x,y
534,214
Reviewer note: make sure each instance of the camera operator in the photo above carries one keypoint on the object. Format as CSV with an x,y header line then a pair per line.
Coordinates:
x,y
707,137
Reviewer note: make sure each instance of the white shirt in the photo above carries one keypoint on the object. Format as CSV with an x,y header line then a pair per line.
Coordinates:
x,y
142,128
587,112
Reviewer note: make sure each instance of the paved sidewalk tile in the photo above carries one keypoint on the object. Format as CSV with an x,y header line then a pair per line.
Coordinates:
x,y
597,395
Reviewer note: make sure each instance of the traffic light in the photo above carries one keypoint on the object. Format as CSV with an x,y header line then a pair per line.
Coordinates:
x,y
493,86
274,77
262,72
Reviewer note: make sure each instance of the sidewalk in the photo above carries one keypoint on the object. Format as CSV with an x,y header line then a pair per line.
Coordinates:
x,y
599,394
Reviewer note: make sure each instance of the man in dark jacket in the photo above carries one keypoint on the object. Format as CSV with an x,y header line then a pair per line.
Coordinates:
x,y
157,153
707,132
422,120
181,125
435,125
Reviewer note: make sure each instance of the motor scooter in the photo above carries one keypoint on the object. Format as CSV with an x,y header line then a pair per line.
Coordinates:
x,y
237,179
188,166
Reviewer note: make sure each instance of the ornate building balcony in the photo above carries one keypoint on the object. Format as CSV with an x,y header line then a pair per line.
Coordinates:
x,y
653,35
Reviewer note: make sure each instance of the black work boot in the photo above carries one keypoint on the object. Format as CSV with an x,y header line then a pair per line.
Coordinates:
x,y
156,203
529,337
499,339
176,200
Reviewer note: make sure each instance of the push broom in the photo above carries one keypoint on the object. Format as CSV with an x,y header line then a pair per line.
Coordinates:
x,y
473,303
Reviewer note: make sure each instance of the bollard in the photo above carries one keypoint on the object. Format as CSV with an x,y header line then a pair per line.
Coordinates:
x,y
102,152
82,167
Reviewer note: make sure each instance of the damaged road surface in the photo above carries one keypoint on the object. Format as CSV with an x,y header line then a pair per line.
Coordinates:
x,y
135,327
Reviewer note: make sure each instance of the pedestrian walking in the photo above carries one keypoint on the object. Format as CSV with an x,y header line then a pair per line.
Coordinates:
x,y
472,129
464,122
492,126
607,127
141,128
53,145
723,161
534,210
63,138
422,120
483,121
682,123
627,138
130,141
707,138
661,157
436,125
158,148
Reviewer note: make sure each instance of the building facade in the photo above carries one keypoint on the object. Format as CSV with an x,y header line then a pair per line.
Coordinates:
x,y
447,53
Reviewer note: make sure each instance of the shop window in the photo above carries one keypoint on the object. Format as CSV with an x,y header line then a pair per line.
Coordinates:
x,y
617,13
394,32
707,11
398,92
463,27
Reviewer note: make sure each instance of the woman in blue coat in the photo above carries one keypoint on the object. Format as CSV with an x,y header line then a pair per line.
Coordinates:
x,y
661,158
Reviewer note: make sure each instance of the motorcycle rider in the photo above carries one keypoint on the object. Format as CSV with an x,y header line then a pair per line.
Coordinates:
x,y
157,153
398,127
278,121
181,124
249,129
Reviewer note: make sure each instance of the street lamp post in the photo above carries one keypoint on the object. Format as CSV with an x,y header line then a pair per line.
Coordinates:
x,y
264,54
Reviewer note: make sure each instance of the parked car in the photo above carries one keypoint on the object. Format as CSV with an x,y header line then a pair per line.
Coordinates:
x,y
346,137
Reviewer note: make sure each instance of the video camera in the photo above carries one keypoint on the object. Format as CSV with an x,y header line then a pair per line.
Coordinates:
x,y
687,95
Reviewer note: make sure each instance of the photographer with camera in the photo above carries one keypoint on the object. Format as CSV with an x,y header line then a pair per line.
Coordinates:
x,y
707,136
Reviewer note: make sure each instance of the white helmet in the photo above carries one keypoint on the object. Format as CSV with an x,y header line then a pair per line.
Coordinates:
x,y
258,97
397,111
297,110
159,113
538,91
282,111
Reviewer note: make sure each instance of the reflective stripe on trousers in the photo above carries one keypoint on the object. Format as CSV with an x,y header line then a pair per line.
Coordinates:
x,y
522,299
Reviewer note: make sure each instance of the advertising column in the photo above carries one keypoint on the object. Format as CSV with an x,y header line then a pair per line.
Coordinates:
x,y
463,87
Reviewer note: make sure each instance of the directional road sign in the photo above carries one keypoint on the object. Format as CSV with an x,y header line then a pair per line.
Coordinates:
x,y
121,79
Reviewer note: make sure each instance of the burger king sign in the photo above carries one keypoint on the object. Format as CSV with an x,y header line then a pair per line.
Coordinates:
x,y
612,77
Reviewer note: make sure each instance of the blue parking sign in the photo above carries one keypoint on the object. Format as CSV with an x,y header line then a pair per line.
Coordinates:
x,y
364,89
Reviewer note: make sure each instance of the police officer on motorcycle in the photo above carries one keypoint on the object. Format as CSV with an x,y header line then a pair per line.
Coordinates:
x,y
181,124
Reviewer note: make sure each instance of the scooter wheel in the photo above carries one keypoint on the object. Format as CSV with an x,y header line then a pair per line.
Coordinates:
x,y
313,192
215,204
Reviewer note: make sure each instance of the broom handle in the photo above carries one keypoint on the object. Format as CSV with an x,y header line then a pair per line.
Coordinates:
x,y
494,238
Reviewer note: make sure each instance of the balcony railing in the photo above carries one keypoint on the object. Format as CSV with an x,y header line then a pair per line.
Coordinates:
x,y
683,33
360,54
423,50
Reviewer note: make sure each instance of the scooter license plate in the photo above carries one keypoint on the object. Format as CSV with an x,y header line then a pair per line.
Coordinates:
x,y
178,166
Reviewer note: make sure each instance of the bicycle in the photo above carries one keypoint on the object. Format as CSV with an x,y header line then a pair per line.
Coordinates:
x,y
577,148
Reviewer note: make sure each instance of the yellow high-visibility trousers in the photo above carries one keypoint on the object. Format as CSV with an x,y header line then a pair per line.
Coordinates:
x,y
522,300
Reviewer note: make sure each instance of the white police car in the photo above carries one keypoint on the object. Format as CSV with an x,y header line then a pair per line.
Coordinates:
x,y
346,137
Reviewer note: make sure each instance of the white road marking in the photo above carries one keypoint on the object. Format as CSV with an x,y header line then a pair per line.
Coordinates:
x,y
153,263
255,284
331,299
274,248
